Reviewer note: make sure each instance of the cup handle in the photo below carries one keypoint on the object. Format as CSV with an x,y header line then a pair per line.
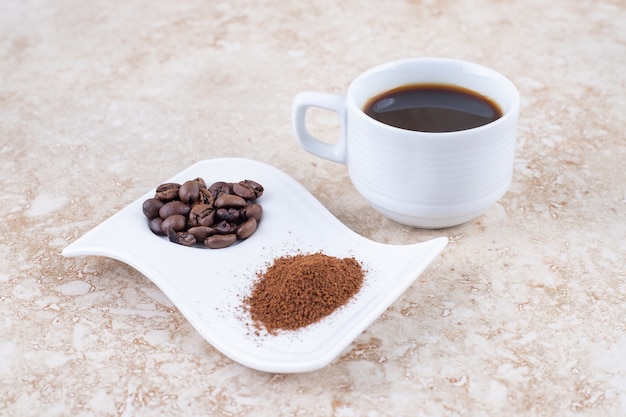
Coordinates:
x,y
335,152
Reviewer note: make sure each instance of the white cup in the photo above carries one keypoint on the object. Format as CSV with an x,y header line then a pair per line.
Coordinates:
x,y
421,179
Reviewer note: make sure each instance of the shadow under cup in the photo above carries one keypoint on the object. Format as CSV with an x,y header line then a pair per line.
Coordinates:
x,y
431,180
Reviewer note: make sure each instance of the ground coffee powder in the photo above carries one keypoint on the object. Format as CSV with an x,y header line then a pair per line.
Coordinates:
x,y
298,290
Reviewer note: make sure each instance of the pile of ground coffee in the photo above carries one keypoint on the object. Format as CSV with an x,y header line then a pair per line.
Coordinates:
x,y
298,290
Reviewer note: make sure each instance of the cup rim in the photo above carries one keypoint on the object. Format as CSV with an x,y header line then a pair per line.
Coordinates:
x,y
507,114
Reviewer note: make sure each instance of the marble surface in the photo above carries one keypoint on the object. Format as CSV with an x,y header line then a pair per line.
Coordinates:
x,y
524,314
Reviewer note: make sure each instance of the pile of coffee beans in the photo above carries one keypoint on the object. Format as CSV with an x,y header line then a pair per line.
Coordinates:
x,y
216,216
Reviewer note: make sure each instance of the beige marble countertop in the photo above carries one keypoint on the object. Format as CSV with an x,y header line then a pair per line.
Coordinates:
x,y
524,314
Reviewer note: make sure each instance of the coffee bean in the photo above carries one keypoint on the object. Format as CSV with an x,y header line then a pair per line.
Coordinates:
x,y
206,196
200,182
201,215
252,211
201,232
224,227
220,187
174,207
258,188
155,226
230,201
220,241
229,214
189,192
176,222
182,238
151,207
167,192
245,229
248,189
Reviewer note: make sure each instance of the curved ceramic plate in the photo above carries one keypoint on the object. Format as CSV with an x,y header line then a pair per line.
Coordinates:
x,y
208,286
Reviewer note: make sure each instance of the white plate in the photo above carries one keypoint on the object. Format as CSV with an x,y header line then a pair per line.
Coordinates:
x,y
208,285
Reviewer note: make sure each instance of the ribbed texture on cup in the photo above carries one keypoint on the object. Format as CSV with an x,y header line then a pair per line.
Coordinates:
x,y
435,174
